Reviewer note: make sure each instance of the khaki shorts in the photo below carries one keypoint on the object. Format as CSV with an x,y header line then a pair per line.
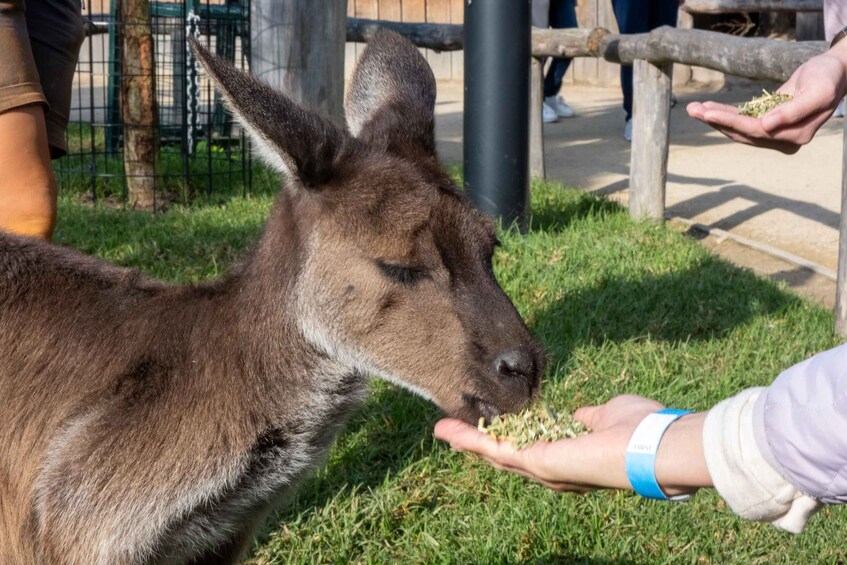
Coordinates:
x,y
39,46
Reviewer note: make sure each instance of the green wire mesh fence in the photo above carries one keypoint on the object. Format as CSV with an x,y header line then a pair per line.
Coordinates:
x,y
199,149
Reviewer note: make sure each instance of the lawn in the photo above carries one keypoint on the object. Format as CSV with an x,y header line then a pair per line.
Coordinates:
x,y
619,306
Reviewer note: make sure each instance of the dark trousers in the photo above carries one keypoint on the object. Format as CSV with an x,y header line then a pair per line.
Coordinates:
x,y
641,16
562,16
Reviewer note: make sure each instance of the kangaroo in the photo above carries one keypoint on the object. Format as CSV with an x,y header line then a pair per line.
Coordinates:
x,y
151,423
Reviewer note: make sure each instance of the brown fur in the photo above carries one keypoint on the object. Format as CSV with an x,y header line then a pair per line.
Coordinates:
x,y
149,423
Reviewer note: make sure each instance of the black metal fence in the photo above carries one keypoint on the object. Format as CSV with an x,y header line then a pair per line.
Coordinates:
x,y
201,150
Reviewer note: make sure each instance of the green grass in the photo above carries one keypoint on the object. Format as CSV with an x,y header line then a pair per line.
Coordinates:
x,y
619,306
213,170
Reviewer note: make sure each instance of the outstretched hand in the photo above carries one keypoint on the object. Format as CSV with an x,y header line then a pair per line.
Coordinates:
x,y
598,459
817,87
581,464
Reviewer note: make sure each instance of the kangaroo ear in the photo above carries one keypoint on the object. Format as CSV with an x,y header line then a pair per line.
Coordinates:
x,y
392,96
298,142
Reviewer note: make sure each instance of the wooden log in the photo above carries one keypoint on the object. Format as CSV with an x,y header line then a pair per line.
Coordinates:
x,y
841,285
573,42
138,103
650,140
729,6
438,37
298,46
755,58
536,126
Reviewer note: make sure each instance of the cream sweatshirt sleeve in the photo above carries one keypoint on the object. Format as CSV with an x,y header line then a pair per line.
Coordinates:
x,y
751,487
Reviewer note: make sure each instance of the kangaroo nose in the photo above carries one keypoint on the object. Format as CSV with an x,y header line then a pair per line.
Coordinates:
x,y
518,362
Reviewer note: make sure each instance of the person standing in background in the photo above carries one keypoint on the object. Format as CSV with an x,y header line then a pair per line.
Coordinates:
x,y
557,14
40,44
640,16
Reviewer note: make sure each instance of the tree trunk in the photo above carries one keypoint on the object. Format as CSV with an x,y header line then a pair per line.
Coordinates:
x,y
138,102
298,46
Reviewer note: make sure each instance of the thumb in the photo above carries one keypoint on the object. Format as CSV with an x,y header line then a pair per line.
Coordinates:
x,y
587,415
447,428
791,113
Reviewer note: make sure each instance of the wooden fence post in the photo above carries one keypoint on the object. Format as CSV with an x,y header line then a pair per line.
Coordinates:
x,y
536,126
648,169
841,285
138,102
298,47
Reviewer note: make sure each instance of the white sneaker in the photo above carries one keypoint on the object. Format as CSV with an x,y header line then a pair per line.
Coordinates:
x,y
558,104
548,114
839,110
627,130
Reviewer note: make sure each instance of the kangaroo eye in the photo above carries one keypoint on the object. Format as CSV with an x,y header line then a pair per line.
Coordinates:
x,y
407,276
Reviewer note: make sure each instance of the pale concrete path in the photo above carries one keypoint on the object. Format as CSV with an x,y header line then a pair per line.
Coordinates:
x,y
788,202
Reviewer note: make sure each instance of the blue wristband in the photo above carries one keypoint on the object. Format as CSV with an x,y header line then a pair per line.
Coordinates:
x,y
641,453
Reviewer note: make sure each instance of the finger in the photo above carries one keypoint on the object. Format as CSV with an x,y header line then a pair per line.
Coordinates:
x,y
568,487
695,110
791,113
698,109
497,464
748,130
728,108
559,486
747,125
786,147
736,136
446,428
464,437
587,415
804,131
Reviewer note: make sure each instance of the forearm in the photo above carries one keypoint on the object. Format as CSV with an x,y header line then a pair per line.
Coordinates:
x,y
839,51
680,460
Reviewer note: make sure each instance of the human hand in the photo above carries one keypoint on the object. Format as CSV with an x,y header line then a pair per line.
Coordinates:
x,y
817,87
596,460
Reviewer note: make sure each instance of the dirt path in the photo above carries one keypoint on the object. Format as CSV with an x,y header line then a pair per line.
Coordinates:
x,y
788,202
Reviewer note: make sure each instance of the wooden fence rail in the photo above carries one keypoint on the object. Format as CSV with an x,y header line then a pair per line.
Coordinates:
x,y
730,6
652,55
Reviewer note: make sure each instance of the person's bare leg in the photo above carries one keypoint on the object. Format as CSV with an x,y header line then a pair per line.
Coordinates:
x,y
28,186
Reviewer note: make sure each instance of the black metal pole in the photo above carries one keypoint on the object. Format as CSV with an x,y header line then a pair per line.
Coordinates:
x,y
496,126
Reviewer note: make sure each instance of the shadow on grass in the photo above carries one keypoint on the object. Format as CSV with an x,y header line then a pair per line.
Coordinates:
x,y
549,217
702,302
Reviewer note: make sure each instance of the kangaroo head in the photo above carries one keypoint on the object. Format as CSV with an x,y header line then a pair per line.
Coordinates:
x,y
394,277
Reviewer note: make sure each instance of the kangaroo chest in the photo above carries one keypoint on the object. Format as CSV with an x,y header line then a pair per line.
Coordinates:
x,y
277,461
